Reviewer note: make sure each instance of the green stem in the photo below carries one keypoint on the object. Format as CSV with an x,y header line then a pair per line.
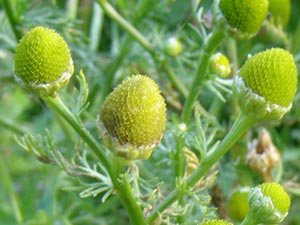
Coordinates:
x,y
240,126
6,179
13,19
96,27
14,127
72,9
60,108
114,15
211,43
124,191
249,220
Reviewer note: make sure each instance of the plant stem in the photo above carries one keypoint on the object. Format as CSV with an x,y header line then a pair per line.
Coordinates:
x,y
124,191
14,127
211,43
114,15
241,124
249,220
13,20
6,179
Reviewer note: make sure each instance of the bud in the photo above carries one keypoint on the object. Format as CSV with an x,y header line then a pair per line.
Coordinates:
x,y
43,61
280,11
215,222
262,155
219,64
238,204
245,16
132,118
266,84
173,46
268,203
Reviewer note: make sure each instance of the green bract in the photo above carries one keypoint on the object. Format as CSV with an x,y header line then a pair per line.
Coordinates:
x,y
132,118
245,15
268,203
215,222
266,84
43,61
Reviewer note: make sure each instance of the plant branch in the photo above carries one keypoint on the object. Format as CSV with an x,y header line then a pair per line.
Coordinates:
x,y
239,127
211,43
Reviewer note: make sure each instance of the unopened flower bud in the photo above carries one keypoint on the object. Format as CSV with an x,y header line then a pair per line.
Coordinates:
x,y
238,203
266,84
219,64
215,222
132,118
173,46
268,203
245,16
43,61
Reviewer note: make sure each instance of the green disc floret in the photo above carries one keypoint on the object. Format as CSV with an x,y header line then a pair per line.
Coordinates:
x,y
245,15
41,57
271,74
134,114
216,222
279,197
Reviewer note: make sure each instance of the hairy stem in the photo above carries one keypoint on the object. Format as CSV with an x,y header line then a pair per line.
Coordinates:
x,y
239,127
211,43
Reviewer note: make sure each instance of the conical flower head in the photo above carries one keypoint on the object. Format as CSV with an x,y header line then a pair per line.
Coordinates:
x,y
132,118
216,222
266,84
268,203
43,61
245,15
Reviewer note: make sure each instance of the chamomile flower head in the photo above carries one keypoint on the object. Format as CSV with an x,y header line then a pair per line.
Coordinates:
x,y
266,84
43,61
132,118
269,203
215,222
246,16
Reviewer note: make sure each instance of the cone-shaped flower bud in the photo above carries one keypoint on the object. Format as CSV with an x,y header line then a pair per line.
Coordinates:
x,y
266,84
238,204
132,118
216,222
219,64
280,11
246,16
43,61
268,203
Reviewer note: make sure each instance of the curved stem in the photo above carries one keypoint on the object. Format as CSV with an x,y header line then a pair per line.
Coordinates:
x,y
239,127
212,42
124,191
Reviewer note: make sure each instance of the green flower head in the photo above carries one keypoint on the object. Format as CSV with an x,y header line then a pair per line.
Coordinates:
x,y
43,61
238,204
132,118
246,16
268,203
219,64
266,84
215,222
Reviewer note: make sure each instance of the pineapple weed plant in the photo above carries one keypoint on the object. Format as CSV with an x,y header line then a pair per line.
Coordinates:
x,y
149,112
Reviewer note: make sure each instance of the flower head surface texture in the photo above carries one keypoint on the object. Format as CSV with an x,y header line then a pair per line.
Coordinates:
x,y
245,15
279,197
134,114
271,74
41,57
